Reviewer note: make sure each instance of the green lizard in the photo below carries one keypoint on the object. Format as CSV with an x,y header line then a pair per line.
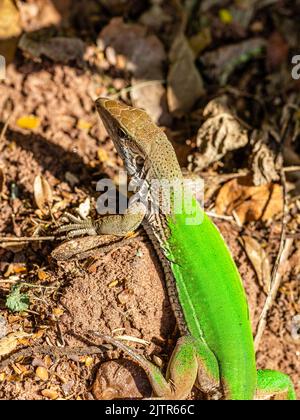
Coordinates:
x,y
215,351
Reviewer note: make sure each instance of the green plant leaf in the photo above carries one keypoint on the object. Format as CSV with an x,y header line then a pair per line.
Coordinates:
x,y
17,301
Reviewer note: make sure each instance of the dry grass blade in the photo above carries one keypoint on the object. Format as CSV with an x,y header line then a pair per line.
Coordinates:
x,y
273,292
283,254
131,339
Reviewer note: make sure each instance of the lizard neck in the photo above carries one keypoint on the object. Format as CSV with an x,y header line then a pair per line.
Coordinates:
x,y
157,232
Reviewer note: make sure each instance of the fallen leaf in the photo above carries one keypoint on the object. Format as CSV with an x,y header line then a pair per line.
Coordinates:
x,y
42,275
71,179
29,122
50,393
260,261
10,29
277,51
220,133
185,84
9,19
225,16
145,58
58,49
15,268
10,342
42,194
42,373
250,203
220,63
155,17
262,159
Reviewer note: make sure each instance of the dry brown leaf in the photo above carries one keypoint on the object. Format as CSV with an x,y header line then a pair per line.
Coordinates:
x,y
250,203
42,275
156,17
42,373
220,63
10,342
185,84
263,159
58,49
10,29
277,51
220,133
42,194
50,393
260,261
10,24
145,58
15,268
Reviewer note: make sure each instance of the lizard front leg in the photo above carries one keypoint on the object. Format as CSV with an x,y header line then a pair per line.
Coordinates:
x,y
119,225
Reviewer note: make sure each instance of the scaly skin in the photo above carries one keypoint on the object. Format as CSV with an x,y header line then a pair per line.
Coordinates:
x,y
216,350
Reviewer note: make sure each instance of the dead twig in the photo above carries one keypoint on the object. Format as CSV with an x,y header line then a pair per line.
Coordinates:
x,y
50,351
283,254
26,239
292,169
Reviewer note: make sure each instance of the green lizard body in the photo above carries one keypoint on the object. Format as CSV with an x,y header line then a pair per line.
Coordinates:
x,y
216,350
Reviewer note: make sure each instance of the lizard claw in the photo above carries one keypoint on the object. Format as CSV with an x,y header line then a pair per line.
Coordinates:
x,y
76,227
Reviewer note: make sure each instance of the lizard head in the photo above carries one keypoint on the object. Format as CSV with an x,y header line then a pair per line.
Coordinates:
x,y
132,131
141,144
